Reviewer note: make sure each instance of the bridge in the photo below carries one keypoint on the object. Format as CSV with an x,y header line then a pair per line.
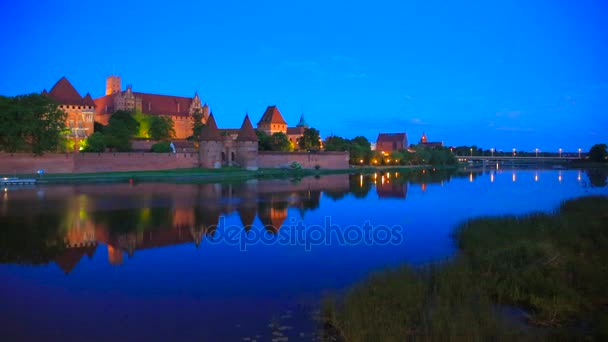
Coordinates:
x,y
517,158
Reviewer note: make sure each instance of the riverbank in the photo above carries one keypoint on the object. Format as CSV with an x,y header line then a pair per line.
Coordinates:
x,y
198,175
539,276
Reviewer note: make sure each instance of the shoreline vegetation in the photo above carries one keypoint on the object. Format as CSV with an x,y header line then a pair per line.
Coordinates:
x,y
537,276
198,175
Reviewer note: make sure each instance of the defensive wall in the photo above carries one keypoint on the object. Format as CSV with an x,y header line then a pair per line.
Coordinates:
x,y
24,163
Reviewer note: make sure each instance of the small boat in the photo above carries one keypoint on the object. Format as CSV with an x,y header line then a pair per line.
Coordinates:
x,y
17,181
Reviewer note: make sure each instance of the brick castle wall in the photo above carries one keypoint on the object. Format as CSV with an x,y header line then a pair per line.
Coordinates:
x,y
326,160
24,163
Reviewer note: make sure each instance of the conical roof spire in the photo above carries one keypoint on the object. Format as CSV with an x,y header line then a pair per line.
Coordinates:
x,y
210,131
247,133
302,122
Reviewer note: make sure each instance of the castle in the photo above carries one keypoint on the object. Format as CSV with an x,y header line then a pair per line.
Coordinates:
x,y
84,111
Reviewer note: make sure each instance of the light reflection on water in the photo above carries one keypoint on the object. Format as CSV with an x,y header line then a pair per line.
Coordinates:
x,y
144,260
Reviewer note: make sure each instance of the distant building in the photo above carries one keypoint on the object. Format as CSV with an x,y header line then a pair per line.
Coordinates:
x,y
388,142
80,110
178,108
424,142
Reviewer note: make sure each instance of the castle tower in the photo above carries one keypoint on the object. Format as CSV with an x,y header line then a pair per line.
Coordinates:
x,y
423,139
112,85
247,146
272,121
211,145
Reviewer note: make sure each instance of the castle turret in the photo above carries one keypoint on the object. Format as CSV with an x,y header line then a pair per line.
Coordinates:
x,y
211,145
247,146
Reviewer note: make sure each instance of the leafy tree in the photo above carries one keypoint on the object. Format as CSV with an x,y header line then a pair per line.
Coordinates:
x,y
279,142
310,140
31,122
118,136
128,121
335,143
144,124
263,141
598,153
161,128
197,124
162,147
98,127
95,143
360,149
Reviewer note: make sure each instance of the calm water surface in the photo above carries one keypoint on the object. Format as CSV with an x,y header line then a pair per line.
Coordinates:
x,y
154,261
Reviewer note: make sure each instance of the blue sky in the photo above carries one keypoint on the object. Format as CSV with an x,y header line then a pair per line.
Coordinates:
x,y
499,74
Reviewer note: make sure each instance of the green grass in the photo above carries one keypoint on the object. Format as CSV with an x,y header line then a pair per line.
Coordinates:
x,y
552,266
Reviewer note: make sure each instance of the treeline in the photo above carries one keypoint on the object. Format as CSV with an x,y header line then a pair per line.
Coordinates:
x,y
32,123
361,153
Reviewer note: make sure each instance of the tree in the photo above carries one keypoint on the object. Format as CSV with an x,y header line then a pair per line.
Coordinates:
x,y
162,147
118,136
263,141
335,143
95,143
279,142
127,119
197,124
310,140
161,128
598,153
31,122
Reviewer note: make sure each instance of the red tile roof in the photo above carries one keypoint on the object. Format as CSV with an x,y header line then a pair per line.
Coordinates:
x,y
247,133
210,131
64,93
88,100
391,137
164,104
272,115
295,130
154,104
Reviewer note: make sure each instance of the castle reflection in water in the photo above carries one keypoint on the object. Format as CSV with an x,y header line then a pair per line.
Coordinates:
x,y
62,224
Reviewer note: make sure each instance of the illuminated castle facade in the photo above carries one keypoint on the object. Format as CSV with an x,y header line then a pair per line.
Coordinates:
x,y
180,109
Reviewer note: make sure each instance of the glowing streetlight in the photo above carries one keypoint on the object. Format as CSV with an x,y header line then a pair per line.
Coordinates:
x,y
579,153
471,152
492,150
560,152
514,152
536,152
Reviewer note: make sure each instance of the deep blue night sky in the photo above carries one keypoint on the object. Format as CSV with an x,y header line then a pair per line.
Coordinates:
x,y
502,74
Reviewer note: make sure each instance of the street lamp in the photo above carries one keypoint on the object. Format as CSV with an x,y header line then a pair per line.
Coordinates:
x,y
579,153
560,152
536,152
471,152
514,152
492,150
